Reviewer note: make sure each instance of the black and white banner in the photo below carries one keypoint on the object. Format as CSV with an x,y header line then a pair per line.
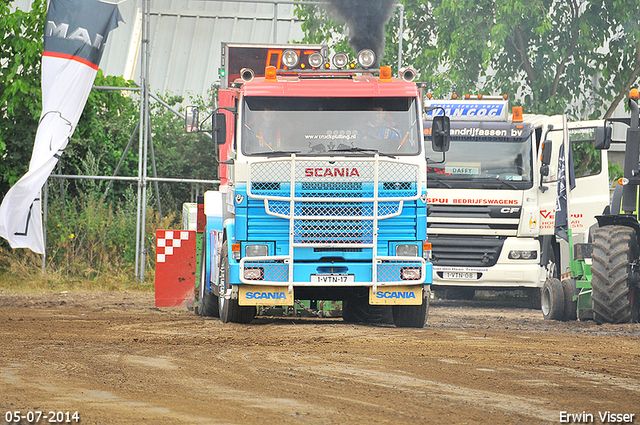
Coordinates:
x,y
562,200
75,35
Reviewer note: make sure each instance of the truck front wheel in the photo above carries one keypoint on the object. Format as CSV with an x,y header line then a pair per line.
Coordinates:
x,y
207,301
411,316
614,283
230,310
552,300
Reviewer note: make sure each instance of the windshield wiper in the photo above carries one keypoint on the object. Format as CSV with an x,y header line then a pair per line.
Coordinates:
x,y
497,180
356,149
274,153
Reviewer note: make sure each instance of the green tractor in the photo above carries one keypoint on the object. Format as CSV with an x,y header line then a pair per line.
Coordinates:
x,y
605,274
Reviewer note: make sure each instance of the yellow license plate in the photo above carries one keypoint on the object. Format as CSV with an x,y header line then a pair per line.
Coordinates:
x,y
398,295
264,295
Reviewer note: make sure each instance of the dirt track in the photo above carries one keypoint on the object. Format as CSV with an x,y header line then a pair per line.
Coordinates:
x,y
116,359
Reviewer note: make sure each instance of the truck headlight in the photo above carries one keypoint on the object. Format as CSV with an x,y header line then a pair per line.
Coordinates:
x,y
406,250
256,251
290,58
316,60
366,58
254,273
409,273
523,255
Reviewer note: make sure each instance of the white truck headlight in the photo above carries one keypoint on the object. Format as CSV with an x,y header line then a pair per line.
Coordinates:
x,y
366,58
406,250
254,273
409,273
523,255
290,58
256,250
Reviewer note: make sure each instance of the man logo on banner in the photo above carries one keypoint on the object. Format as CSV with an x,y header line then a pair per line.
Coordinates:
x,y
75,35
562,205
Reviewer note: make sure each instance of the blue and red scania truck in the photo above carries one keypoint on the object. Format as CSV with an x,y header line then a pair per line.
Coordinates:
x,y
323,187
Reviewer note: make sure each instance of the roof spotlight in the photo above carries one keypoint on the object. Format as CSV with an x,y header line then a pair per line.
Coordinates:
x,y
290,58
366,58
316,60
340,60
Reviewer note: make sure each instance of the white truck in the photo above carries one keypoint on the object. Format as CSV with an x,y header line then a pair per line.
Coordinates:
x,y
492,196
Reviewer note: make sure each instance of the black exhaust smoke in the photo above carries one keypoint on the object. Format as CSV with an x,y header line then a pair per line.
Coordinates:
x,y
365,20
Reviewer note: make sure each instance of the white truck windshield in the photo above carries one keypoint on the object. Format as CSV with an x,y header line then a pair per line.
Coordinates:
x,y
487,155
330,126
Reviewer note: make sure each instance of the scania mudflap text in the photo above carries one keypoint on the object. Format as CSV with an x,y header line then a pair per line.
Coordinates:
x,y
492,198
322,195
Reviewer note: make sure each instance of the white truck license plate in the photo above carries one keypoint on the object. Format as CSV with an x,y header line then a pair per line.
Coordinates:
x,y
460,275
332,278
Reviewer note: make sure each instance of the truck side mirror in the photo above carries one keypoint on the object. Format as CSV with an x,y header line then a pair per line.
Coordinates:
x,y
192,119
603,138
545,158
440,133
546,152
219,128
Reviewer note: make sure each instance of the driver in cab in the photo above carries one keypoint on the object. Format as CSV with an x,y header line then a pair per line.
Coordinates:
x,y
380,126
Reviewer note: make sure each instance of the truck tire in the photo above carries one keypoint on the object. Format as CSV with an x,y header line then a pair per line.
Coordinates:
x,y
358,310
552,300
411,316
230,310
614,291
207,301
570,306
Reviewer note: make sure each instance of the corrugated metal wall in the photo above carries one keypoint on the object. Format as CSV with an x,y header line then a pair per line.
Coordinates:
x,y
185,39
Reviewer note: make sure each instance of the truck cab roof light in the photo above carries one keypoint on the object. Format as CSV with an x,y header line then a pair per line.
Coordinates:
x,y
504,96
479,95
366,58
634,94
290,58
429,95
385,73
467,96
454,96
316,60
270,73
517,114
340,60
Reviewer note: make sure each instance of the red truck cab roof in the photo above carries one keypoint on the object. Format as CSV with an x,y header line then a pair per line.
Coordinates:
x,y
358,86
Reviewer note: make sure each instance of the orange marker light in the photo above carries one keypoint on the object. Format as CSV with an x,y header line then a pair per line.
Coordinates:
x,y
504,96
517,114
429,95
270,75
479,95
455,96
467,96
634,94
385,73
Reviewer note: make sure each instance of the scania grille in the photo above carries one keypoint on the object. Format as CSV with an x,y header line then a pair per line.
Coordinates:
x,y
465,251
494,219
333,202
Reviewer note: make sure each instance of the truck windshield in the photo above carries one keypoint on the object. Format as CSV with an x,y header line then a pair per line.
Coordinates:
x,y
482,155
330,126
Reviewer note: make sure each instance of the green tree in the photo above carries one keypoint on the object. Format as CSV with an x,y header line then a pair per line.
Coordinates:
x,y
578,57
20,93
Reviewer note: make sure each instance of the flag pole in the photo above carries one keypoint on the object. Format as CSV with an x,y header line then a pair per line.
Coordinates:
x,y
567,179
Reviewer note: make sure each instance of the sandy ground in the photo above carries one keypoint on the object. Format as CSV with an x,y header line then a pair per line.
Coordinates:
x,y
116,359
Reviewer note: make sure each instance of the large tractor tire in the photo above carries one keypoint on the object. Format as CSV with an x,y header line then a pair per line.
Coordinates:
x,y
207,300
411,316
230,310
552,300
358,310
615,293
